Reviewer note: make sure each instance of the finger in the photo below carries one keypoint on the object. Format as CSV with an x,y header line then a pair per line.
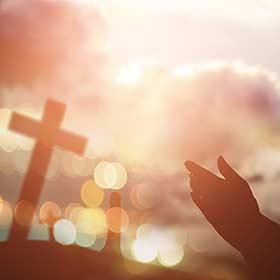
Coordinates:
x,y
205,181
227,171
204,186
199,171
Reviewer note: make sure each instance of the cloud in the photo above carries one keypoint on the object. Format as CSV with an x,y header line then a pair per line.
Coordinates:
x,y
40,38
192,112
149,117
154,118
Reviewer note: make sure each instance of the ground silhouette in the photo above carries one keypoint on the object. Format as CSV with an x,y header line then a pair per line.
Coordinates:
x,y
230,206
49,260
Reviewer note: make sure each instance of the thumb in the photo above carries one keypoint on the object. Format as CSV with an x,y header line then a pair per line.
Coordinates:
x,y
227,171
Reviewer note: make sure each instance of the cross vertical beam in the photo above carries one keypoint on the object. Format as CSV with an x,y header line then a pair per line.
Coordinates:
x,y
113,242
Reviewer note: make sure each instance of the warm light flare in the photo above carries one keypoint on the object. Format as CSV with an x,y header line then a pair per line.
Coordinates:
x,y
109,175
64,232
153,242
6,214
89,220
91,194
130,74
50,212
171,255
143,251
23,211
85,240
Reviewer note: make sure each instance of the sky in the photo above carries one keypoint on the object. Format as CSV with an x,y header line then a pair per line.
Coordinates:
x,y
151,84
197,30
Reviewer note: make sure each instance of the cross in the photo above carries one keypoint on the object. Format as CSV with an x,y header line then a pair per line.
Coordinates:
x,y
51,218
113,239
48,135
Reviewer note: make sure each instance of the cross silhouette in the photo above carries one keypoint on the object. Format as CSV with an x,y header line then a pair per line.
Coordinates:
x,y
113,238
48,135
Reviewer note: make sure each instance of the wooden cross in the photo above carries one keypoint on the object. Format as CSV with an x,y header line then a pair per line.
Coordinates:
x,y
113,242
48,135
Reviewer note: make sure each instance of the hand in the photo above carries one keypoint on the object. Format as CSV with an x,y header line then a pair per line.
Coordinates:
x,y
227,203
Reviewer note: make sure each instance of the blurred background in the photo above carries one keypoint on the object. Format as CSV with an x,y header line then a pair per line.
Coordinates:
x,y
150,84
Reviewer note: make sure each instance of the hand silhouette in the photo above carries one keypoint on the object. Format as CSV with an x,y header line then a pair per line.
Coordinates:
x,y
227,203
230,206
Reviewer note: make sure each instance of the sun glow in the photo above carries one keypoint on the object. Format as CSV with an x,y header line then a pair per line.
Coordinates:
x,y
130,74
167,5
153,243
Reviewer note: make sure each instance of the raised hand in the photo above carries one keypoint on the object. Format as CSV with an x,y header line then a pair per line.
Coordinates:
x,y
229,205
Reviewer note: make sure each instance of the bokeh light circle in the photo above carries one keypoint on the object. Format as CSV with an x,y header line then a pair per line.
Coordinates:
x,y
144,251
7,142
85,240
99,175
145,231
121,176
24,213
75,214
69,208
91,194
156,241
171,255
89,220
109,175
6,214
64,232
50,212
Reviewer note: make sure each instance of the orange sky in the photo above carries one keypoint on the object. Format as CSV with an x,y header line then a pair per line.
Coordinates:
x,y
198,30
